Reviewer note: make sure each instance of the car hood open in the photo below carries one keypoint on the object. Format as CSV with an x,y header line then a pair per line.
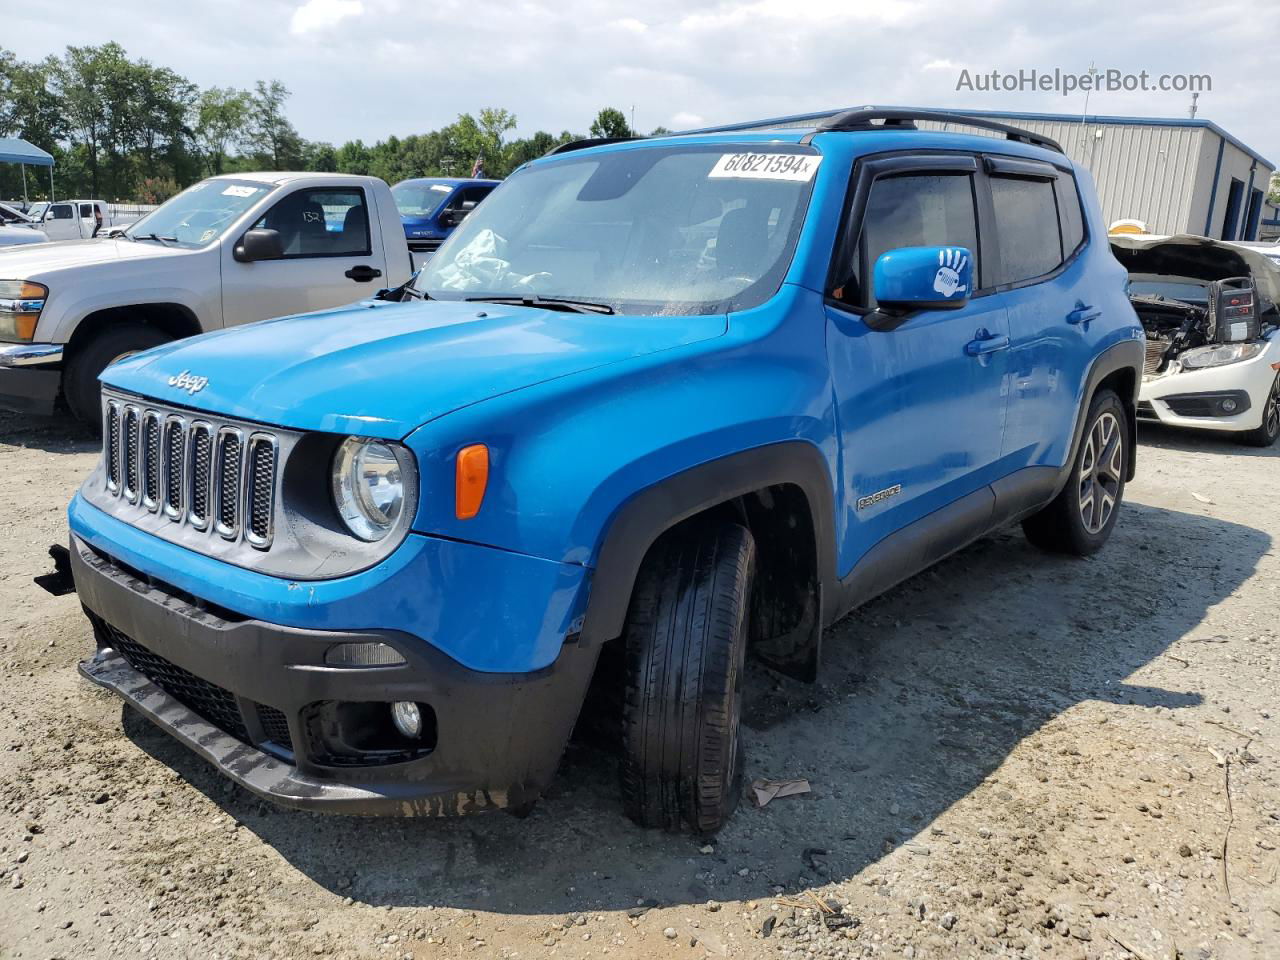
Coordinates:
x,y
383,369
1200,258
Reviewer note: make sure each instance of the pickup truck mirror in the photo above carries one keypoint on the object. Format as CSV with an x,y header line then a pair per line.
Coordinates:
x,y
453,216
259,245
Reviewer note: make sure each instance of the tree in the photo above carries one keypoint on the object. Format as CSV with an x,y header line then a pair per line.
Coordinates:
x,y
659,131
270,133
84,82
1273,194
163,102
221,119
611,122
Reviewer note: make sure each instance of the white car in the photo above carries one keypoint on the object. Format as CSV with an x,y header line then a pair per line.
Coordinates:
x,y
226,251
17,228
1209,309
75,219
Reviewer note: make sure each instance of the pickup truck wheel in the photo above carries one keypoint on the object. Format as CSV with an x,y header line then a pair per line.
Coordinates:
x,y
1080,519
1265,434
685,645
80,379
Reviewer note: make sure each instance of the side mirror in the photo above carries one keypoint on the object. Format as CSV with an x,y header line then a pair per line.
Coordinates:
x,y
259,245
923,278
453,216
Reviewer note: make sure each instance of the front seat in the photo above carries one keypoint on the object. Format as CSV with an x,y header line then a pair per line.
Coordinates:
x,y
355,230
742,242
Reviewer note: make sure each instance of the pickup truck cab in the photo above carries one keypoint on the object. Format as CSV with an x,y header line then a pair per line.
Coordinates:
x,y
75,219
228,250
653,406
431,207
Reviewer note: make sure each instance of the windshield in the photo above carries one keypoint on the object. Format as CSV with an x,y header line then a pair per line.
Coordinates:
x,y
647,230
420,198
200,213
1188,291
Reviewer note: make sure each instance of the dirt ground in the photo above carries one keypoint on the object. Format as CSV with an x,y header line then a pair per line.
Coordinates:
x,y
1013,754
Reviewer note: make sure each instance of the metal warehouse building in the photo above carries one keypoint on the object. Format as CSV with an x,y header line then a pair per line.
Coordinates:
x,y
1177,176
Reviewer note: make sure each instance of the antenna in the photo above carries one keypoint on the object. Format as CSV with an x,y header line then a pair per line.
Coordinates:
x,y
1194,98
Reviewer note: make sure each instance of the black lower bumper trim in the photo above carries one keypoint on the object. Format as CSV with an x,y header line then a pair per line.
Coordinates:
x,y
1208,404
32,390
498,740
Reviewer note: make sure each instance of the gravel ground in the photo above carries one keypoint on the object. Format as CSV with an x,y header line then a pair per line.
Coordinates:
x,y
1013,754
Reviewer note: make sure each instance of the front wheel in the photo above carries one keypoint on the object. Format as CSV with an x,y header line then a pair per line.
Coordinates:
x,y
80,379
1081,517
685,645
1266,433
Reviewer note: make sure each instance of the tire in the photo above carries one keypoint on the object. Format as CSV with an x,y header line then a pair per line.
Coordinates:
x,y
80,379
1071,523
685,646
1265,434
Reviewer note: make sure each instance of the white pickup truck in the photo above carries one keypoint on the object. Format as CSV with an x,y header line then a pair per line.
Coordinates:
x,y
229,250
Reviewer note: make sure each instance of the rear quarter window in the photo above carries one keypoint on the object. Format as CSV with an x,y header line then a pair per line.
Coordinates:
x,y
1070,214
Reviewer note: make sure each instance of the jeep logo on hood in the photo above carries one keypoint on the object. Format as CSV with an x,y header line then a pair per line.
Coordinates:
x,y
186,381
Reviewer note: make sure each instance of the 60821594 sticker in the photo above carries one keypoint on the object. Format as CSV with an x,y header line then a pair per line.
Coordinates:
x,y
799,167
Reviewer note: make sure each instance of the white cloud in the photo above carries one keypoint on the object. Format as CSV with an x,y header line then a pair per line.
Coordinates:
x,y
940,65
317,15
632,24
684,121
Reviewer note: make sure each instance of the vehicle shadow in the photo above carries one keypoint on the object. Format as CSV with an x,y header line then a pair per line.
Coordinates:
x,y
1199,441
924,692
61,433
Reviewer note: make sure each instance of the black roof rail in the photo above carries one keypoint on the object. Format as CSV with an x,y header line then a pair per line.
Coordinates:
x,y
587,142
863,118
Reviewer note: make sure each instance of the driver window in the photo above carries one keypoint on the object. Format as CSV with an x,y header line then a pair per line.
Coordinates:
x,y
61,211
323,222
910,211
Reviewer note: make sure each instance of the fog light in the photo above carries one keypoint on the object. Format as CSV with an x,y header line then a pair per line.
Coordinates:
x,y
407,718
1228,405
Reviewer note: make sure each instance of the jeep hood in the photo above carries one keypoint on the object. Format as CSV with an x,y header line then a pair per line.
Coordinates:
x,y
384,369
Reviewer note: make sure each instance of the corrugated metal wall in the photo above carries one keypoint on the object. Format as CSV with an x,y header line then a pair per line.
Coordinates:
x,y
1143,172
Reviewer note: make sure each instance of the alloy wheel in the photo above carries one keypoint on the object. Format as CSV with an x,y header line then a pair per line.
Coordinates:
x,y
1101,470
1271,413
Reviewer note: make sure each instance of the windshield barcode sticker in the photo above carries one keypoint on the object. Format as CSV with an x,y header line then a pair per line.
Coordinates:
x,y
234,191
767,166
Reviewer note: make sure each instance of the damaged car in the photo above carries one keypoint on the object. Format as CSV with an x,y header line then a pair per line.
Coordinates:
x,y
1209,313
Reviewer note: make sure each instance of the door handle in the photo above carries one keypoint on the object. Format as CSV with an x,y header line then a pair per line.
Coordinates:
x,y
984,343
363,273
1083,314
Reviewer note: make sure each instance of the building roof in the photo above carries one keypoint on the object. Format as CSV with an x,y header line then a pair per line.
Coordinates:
x,y
13,150
809,120
1121,121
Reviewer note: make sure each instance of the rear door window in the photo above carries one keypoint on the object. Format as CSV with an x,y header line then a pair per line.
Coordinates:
x,y
1028,236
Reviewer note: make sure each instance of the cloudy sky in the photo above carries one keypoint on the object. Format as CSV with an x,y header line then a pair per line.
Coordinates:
x,y
371,68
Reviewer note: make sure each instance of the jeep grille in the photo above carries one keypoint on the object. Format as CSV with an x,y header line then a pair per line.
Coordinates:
x,y
198,473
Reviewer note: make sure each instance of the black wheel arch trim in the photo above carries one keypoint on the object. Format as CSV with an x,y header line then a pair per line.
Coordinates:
x,y
1125,355
656,509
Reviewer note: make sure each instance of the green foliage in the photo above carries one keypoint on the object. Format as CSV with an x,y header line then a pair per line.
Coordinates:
x,y
122,129
1273,193
611,122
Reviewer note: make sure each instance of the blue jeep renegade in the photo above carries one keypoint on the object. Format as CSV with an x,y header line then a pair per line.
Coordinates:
x,y
656,404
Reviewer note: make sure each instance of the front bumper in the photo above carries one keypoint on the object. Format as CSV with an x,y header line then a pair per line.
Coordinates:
x,y
29,377
194,670
1192,398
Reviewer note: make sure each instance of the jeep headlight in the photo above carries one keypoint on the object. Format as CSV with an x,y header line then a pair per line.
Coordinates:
x,y
1222,354
373,484
20,304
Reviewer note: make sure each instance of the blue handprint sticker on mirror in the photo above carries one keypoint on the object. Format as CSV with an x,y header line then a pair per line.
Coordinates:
x,y
923,278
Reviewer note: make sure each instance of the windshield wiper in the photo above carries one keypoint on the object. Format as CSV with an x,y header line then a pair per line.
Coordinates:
x,y
548,303
156,237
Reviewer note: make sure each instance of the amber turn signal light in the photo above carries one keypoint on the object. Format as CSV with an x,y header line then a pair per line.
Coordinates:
x,y
472,478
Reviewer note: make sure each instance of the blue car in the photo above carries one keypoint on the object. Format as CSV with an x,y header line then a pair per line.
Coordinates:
x,y
655,406
431,207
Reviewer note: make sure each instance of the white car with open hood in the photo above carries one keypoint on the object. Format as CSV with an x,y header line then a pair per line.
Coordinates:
x,y
226,251
1209,309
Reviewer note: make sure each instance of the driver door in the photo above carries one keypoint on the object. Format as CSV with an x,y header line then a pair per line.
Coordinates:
x,y
331,257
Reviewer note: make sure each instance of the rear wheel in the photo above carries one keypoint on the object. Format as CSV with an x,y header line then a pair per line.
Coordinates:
x,y
1080,519
685,643
1268,431
80,378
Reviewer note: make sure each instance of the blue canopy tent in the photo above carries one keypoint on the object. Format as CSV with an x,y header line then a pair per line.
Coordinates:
x,y
13,150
